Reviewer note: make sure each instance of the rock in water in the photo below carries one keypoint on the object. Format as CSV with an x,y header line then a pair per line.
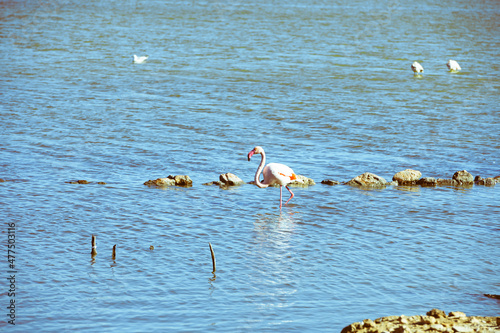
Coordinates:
x,y
330,182
160,182
179,180
230,179
463,177
305,181
407,177
427,181
367,179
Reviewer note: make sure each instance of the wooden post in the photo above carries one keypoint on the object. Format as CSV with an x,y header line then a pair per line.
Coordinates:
x,y
94,246
213,256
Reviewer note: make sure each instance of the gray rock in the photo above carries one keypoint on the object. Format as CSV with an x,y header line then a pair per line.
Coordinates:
x,y
407,177
330,182
367,179
463,177
230,179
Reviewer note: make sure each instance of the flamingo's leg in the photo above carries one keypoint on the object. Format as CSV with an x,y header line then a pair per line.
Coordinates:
x,y
291,194
281,187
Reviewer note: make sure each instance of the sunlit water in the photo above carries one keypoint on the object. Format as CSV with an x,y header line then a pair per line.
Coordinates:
x,y
325,88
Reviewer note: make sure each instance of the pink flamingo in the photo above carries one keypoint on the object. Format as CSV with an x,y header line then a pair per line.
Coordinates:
x,y
274,173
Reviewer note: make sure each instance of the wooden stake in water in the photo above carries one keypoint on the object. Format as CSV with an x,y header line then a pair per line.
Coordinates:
x,y
94,246
113,256
213,256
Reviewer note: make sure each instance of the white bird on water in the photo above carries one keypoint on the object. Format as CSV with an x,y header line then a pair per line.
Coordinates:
x,y
417,68
274,173
140,60
453,65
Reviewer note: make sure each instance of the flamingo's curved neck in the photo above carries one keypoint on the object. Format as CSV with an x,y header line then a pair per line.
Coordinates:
x,y
259,170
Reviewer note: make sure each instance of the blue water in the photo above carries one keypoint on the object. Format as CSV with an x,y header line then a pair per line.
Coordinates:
x,y
325,88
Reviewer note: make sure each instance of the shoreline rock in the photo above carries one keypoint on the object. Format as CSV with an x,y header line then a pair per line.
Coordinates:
x,y
435,320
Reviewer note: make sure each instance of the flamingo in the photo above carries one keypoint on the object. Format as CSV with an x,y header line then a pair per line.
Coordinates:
x,y
416,67
453,65
140,60
274,173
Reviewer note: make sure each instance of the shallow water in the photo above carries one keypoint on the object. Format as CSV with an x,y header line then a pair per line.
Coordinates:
x,y
325,88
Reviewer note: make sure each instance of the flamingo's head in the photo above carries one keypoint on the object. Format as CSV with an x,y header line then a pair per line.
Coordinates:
x,y
256,150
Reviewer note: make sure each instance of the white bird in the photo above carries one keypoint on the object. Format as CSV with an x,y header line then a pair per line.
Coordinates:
x,y
274,173
140,60
453,65
417,68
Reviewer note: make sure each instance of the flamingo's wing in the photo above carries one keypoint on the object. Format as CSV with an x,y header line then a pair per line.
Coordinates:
x,y
275,173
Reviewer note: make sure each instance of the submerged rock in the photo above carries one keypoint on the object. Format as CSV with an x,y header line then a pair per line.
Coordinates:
x,y
367,179
407,177
427,181
447,182
463,177
179,180
435,321
81,181
330,182
487,182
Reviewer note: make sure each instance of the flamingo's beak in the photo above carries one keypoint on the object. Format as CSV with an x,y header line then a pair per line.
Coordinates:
x,y
250,154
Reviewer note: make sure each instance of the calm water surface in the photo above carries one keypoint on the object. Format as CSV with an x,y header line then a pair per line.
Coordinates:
x,y
324,87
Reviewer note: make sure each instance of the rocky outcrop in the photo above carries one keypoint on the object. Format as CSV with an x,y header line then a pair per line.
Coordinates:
x,y
368,179
179,180
407,177
434,321
463,177
227,179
